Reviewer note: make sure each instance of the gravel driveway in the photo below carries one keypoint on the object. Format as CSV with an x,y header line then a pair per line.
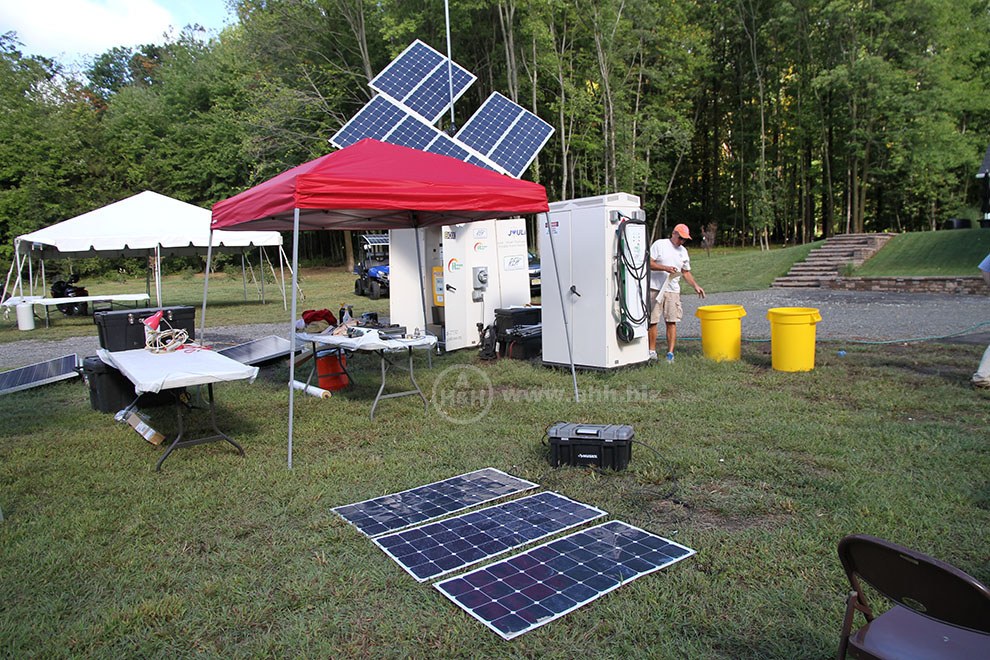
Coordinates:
x,y
846,315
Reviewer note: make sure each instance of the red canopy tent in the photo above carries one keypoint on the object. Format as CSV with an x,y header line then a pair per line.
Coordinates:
x,y
373,185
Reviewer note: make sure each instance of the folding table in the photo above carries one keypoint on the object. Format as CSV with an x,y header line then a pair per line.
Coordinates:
x,y
187,366
370,341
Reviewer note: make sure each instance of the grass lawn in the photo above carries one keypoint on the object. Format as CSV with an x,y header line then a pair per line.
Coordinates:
x,y
761,472
955,252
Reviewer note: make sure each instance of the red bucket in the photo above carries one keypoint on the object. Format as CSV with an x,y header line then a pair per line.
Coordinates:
x,y
330,371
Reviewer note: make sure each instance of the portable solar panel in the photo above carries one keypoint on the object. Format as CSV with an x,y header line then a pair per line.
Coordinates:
x,y
41,373
420,78
390,513
437,548
258,351
532,588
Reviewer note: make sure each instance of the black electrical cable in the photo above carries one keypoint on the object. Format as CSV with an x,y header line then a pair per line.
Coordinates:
x,y
639,272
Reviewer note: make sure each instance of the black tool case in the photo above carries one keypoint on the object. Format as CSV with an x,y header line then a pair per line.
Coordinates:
x,y
597,445
122,330
110,390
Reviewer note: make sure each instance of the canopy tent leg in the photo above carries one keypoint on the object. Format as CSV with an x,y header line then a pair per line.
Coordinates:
x,y
563,310
158,274
31,274
243,275
281,270
292,327
147,274
206,288
422,287
261,271
10,272
295,280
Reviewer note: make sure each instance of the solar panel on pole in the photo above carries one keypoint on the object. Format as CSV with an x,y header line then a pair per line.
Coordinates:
x,y
375,120
421,80
505,133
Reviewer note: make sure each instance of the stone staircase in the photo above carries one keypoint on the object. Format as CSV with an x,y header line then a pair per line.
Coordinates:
x,y
824,263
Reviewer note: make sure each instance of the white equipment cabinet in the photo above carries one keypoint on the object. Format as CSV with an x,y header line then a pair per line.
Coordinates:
x,y
469,271
582,265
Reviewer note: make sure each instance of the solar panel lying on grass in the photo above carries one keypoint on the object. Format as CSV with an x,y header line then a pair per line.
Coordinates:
x,y
42,373
527,590
420,78
505,133
390,513
431,550
259,350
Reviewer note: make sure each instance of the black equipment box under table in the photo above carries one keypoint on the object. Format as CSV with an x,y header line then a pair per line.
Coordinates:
x,y
110,390
597,445
122,330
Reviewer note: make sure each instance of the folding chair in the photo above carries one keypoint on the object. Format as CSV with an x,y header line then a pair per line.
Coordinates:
x,y
937,610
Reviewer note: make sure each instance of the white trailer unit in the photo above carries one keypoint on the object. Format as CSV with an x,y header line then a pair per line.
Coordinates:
x,y
469,271
587,246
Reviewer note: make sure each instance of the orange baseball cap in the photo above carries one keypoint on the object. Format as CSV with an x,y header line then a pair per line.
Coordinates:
x,y
683,232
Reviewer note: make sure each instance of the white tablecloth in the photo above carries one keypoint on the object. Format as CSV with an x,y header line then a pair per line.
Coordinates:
x,y
369,341
185,367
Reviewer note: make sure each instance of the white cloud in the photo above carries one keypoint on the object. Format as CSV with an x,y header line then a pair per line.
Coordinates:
x,y
69,29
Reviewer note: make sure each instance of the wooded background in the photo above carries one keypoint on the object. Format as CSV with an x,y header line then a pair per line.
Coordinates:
x,y
778,120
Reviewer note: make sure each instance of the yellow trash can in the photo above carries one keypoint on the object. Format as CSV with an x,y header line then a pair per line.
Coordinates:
x,y
792,337
721,331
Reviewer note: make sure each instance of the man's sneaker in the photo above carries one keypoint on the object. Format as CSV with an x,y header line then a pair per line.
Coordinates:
x,y
670,357
981,383
653,356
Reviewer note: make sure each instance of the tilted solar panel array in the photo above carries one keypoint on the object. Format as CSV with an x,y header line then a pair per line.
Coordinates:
x,y
414,91
420,78
507,134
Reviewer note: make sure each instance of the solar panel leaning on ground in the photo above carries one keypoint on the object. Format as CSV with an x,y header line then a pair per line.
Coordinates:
x,y
421,79
505,133
527,590
441,547
390,513
42,373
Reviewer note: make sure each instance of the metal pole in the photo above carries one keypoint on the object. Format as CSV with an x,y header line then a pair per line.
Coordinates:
x,y
450,67
243,275
563,310
158,273
292,326
206,288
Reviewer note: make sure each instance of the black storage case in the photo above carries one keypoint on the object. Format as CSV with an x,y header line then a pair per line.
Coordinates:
x,y
510,317
110,390
122,330
597,445
518,332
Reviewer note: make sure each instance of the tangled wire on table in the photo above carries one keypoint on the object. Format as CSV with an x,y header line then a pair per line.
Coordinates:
x,y
166,341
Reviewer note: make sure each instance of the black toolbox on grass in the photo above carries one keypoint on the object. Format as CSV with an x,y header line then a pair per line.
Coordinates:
x,y
122,330
596,445
110,390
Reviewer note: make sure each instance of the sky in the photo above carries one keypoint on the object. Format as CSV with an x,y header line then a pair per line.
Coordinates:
x,y
72,31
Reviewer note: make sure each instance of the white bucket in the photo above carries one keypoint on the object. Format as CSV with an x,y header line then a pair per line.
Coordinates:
x,y
25,316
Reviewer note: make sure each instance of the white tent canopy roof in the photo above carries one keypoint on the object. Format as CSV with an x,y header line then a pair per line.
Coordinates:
x,y
137,224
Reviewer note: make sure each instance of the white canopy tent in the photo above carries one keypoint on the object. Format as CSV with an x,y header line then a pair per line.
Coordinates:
x,y
146,224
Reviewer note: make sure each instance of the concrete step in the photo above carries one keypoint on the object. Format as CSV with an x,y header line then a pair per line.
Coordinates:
x,y
824,262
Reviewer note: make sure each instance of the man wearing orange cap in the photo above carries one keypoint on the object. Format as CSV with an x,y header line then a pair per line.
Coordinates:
x,y
668,262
